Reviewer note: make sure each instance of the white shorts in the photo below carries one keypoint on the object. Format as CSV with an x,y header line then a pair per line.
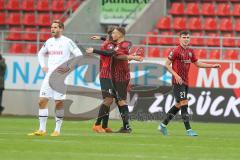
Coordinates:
x,y
47,92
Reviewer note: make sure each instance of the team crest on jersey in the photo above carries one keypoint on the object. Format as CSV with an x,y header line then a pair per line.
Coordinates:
x,y
110,47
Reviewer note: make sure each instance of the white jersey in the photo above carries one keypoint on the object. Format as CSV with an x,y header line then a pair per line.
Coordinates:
x,y
58,50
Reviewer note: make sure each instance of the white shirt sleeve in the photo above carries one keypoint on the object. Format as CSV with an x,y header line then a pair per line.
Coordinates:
x,y
41,54
74,49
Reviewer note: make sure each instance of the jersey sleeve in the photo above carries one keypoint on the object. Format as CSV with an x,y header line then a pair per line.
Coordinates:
x,y
193,57
172,55
124,48
41,55
74,48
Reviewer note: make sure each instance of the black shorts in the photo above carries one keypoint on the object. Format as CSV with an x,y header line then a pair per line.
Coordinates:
x,y
106,87
121,89
180,92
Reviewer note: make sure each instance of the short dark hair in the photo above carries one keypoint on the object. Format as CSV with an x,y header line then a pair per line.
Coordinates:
x,y
60,23
121,29
110,29
184,33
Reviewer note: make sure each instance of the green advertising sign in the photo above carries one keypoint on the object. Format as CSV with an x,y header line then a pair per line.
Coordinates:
x,y
117,11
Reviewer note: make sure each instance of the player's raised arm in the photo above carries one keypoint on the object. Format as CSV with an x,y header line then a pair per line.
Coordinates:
x,y
41,55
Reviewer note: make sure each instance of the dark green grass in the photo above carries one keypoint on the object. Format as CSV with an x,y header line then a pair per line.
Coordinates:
x,y
215,142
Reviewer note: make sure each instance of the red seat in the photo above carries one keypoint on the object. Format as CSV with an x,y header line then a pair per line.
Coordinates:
x,y
14,19
197,40
2,5
229,40
44,34
43,5
214,54
44,19
164,38
201,53
179,23
30,34
237,25
57,16
152,38
14,34
192,9
223,9
29,19
236,9
28,5
13,5
210,24
2,18
164,23
213,39
166,52
58,5
194,24
226,24
177,9
70,3
31,48
17,48
153,52
231,54
208,9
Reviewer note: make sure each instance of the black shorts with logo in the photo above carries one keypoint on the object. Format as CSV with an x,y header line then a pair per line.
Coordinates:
x,y
180,92
106,87
121,89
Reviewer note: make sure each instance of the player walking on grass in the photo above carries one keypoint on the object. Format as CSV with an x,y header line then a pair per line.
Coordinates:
x,y
120,72
181,57
58,48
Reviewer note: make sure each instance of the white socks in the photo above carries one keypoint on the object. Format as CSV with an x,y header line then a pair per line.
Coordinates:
x,y
43,115
59,119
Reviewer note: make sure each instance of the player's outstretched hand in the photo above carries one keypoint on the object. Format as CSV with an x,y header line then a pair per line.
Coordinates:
x,y
45,69
138,58
178,79
95,37
63,70
216,66
89,50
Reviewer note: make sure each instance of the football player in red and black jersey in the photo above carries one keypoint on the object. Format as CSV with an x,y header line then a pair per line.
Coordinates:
x,y
181,57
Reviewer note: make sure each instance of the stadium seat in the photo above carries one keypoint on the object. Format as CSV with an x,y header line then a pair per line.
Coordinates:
x,y
17,48
2,5
208,9
70,3
57,16
166,52
29,19
236,9
177,9
179,23
153,52
44,19
43,5
228,40
164,23
214,54
201,53
237,25
2,18
31,48
165,40
226,24
192,9
197,40
231,55
14,34
223,9
210,24
28,5
30,34
194,23
13,5
151,38
213,39
44,34
58,5
14,19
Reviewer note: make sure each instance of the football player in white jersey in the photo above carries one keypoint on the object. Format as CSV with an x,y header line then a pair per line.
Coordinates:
x,y
59,49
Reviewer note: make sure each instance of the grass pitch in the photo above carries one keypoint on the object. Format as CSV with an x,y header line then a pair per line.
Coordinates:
x,y
215,142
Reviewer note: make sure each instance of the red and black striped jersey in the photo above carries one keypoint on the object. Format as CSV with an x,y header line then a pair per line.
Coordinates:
x,y
181,59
